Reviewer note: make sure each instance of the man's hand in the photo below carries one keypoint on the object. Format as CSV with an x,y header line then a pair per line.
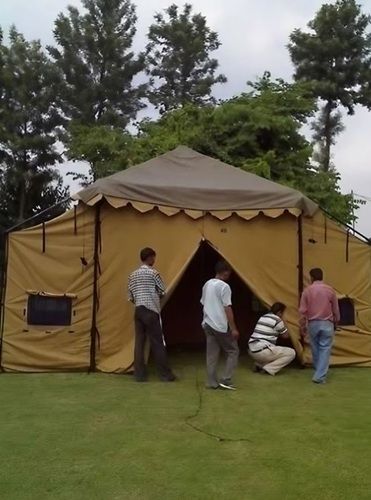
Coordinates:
x,y
235,333
304,333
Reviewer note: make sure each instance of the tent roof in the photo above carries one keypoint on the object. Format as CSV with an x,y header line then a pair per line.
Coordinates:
x,y
188,180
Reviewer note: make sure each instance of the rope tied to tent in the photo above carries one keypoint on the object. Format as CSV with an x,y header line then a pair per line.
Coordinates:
x,y
200,405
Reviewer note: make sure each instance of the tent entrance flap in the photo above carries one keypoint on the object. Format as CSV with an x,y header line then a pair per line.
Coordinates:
x,y
182,314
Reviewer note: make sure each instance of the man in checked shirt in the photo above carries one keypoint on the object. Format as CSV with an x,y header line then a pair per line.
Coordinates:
x,y
145,289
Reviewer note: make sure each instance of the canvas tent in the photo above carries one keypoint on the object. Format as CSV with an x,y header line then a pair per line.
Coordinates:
x,y
65,306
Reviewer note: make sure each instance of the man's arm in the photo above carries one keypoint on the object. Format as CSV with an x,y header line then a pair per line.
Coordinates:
x,y
130,291
227,303
160,285
335,308
281,330
303,311
231,322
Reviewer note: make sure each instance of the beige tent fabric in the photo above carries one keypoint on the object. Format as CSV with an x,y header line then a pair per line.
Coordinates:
x,y
123,233
264,252
346,262
196,214
186,179
57,271
172,203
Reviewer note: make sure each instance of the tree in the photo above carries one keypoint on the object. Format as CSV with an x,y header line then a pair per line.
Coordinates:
x,y
259,131
106,149
335,56
29,131
178,59
260,127
97,64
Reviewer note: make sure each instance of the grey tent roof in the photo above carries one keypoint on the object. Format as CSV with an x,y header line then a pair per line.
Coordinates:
x,y
185,179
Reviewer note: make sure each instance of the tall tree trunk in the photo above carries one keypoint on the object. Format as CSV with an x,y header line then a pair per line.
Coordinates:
x,y
328,134
22,185
22,200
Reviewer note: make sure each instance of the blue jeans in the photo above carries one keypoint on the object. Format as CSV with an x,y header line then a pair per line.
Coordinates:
x,y
321,334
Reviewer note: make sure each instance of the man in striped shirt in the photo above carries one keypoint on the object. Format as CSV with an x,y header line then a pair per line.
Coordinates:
x,y
270,358
145,289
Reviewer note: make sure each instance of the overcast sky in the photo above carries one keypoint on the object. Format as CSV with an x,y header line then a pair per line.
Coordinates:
x,y
254,34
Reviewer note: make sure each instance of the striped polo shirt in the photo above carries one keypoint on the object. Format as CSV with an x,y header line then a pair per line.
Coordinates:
x,y
267,330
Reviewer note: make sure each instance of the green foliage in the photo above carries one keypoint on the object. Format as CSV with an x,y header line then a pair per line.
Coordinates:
x,y
259,131
178,59
96,63
105,149
261,125
29,131
335,57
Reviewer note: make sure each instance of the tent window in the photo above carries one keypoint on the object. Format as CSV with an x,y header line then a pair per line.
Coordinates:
x,y
347,312
49,311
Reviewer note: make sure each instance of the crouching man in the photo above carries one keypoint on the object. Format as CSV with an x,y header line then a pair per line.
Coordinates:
x,y
270,358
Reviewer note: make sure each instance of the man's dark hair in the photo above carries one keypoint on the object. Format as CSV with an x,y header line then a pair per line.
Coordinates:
x,y
222,267
278,307
146,253
316,274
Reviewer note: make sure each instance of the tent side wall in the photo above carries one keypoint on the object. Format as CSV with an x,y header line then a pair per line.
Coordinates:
x,y
56,258
346,262
124,232
265,253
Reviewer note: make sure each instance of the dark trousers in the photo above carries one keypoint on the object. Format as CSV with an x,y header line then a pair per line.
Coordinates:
x,y
147,325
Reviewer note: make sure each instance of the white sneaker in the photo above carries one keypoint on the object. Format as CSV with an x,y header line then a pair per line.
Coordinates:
x,y
227,386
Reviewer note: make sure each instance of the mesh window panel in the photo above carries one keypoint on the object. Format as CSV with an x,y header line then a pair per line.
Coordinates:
x,y
49,311
347,313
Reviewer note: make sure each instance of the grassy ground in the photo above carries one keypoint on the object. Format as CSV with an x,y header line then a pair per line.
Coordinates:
x,y
104,437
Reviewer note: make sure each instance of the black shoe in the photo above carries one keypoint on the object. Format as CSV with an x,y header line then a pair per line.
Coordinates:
x,y
257,369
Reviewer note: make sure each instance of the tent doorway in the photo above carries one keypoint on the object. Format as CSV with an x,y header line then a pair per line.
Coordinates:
x,y
182,314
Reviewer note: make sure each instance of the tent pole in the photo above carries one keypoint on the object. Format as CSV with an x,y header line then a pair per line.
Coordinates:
x,y
39,214
3,282
300,257
93,331
347,226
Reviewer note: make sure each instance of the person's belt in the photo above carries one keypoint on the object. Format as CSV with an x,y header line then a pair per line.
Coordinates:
x,y
260,350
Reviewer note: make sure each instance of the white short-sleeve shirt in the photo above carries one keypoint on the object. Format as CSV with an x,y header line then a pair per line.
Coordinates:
x,y
216,295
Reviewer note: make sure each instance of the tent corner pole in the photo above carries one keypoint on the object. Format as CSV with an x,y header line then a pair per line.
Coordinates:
x,y
300,257
3,283
93,331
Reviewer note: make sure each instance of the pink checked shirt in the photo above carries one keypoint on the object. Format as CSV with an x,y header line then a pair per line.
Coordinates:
x,y
319,302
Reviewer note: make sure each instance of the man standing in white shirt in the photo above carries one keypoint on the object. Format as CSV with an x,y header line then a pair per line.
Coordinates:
x,y
220,328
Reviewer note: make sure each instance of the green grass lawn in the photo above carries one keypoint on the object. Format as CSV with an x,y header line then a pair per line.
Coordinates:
x,y
80,436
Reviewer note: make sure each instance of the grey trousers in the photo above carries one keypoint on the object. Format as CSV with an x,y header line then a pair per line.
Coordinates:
x,y
216,342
